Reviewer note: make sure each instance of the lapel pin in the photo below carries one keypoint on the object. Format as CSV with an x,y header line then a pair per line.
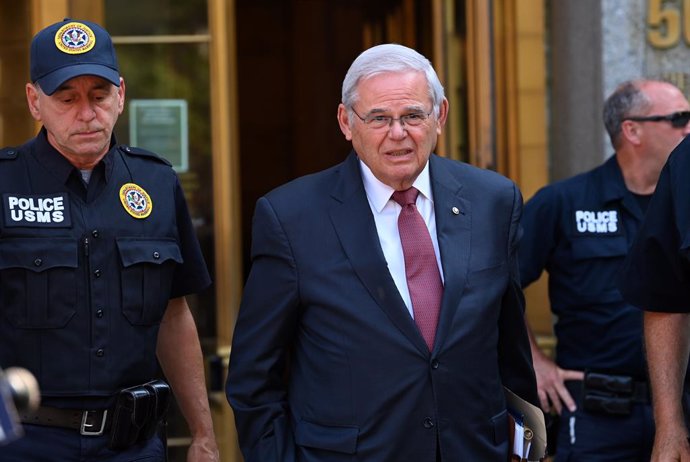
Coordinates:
x,y
456,211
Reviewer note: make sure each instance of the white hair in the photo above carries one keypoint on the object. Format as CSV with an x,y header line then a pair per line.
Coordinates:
x,y
390,57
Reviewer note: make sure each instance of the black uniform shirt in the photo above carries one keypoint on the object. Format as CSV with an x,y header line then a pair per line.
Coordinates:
x,y
579,230
656,275
84,281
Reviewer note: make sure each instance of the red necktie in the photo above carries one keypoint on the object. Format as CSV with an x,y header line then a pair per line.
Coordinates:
x,y
421,269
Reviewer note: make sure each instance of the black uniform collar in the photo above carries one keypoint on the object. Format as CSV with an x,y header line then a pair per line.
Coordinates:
x,y
613,187
58,165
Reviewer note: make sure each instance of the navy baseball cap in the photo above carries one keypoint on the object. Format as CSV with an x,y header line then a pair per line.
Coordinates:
x,y
71,48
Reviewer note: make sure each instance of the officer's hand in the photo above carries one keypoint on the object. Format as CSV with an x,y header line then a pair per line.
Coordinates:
x,y
203,450
551,386
671,446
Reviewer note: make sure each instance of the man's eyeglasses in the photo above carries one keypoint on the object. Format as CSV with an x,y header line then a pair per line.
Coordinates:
x,y
677,119
376,121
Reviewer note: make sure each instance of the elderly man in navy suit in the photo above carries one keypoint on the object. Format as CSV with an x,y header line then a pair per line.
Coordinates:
x,y
383,315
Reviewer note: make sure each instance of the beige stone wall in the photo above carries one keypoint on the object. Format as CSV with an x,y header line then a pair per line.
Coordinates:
x,y
648,38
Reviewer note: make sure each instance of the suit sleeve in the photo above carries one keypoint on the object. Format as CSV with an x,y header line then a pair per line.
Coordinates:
x,y
515,357
256,387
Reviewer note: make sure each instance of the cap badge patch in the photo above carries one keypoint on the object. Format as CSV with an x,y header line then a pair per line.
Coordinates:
x,y
135,200
75,38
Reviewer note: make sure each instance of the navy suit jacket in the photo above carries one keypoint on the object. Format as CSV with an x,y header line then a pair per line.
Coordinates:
x,y
328,365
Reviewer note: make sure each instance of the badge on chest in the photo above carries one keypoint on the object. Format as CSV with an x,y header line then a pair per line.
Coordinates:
x,y
136,200
36,210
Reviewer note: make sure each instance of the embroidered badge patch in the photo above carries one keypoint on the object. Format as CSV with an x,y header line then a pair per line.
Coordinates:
x,y
135,200
75,38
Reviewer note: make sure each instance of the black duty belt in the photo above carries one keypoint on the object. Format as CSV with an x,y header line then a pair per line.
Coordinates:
x,y
135,417
87,422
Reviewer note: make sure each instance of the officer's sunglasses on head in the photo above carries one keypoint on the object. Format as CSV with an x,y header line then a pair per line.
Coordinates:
x,y
677,119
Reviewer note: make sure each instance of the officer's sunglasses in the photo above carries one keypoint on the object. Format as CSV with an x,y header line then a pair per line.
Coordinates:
x,y
677,119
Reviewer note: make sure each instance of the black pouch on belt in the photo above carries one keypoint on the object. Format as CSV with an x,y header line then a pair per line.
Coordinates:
x,y
161,394
608,394
136,414
607,405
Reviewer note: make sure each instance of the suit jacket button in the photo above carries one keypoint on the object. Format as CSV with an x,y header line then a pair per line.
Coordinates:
x,y
434,363
428,423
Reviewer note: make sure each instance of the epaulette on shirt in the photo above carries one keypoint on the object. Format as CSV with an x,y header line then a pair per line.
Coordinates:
x,y
8,153
134,151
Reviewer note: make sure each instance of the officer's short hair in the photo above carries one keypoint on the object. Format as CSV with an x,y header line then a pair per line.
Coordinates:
x,y
627,100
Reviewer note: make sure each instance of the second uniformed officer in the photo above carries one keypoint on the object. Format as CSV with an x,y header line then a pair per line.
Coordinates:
x,y
579,230
97,253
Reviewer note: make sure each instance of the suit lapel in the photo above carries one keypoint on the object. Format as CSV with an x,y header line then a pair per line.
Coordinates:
x,y
453,229
356,229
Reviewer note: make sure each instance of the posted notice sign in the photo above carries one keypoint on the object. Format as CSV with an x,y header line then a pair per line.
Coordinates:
x,y
160,125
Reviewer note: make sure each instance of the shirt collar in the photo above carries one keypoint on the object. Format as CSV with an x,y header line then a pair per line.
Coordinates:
x,y
56,163
613,189
612,183
379,193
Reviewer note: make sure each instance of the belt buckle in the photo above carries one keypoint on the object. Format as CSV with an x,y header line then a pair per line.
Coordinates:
x,y
84,429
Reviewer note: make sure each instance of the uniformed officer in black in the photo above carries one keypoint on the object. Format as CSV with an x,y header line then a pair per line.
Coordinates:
x,y
97,253
579,230
656,277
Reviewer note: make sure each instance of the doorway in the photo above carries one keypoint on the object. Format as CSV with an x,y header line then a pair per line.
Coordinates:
x,y
291,59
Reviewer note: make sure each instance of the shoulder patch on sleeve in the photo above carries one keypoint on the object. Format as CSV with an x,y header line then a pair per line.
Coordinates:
x,y
134,151
8,153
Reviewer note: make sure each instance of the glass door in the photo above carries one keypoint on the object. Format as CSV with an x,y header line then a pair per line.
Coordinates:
x,y
163,52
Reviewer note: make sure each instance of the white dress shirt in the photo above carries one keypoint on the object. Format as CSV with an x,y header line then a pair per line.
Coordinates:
x,y
386,211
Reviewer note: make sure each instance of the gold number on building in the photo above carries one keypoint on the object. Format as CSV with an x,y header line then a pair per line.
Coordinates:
x,y
663,23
